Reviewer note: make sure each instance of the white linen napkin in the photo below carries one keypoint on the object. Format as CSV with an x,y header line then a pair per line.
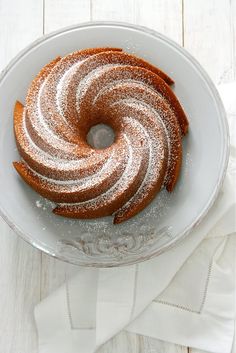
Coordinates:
x,y
188,300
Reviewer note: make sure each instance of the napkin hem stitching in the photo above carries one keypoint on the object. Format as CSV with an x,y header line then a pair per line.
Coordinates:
x,y
182,307
204,297
134,292
72,326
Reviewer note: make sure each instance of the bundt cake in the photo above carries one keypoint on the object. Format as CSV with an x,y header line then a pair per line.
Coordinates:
x,y
85,88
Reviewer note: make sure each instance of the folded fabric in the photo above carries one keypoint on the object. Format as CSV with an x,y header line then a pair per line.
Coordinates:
x,y
188,300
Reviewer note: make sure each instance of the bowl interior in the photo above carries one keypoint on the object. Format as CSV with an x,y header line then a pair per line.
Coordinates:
x,y
170,216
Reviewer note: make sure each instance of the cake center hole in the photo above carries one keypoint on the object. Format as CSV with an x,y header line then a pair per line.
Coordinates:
x,y
100,136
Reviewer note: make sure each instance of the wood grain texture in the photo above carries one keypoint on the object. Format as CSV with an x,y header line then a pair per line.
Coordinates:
x,y
165,16
110,10
57,14
234,343
124,343
151,345
208,36
62,13
21,22
233,35
20,292
53,274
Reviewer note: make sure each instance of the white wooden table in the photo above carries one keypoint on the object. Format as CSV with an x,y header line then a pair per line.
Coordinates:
x,y
207,28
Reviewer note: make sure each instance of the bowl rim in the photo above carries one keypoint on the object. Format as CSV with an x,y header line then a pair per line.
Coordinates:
x,y
225,131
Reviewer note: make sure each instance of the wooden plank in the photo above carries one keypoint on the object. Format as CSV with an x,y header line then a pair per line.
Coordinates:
x,y
20,23
193,350
20,292
61,13
165,16
207,35
123,343
122,10
54,274
234,343
233,37
57,14
152,345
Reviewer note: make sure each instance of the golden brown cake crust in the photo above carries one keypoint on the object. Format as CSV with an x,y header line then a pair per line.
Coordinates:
x,y
82,89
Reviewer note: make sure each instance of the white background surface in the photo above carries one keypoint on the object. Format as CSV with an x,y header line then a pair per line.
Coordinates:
x,y
207,28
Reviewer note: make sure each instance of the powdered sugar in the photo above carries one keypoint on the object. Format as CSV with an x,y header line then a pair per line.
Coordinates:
x,y
88,79
135,166
61,86
120,185
39,204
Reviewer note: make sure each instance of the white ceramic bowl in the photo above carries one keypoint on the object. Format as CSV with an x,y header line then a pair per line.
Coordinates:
x,y
170,217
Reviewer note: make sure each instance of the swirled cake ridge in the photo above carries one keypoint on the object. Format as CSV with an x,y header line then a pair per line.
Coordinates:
x,y
85,88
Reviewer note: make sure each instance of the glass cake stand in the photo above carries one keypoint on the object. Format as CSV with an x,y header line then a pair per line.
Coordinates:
x,y
170,217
